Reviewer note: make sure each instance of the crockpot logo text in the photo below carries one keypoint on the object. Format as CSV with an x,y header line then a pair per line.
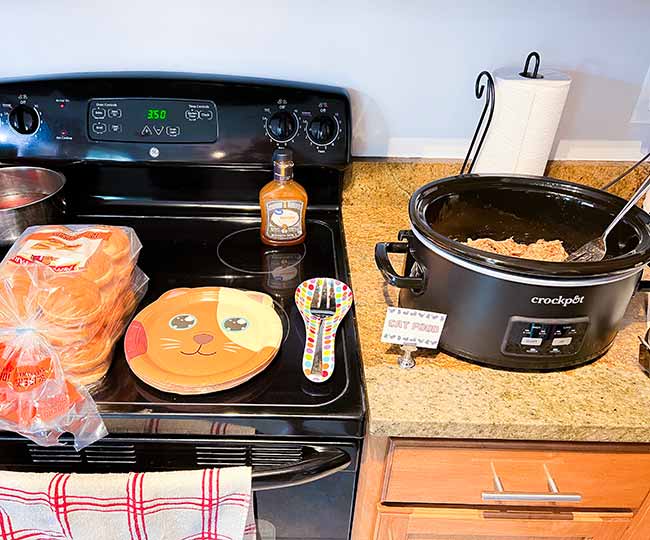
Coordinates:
x,y
558,300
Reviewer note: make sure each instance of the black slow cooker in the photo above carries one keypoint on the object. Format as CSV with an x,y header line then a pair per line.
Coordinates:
x,y
506,311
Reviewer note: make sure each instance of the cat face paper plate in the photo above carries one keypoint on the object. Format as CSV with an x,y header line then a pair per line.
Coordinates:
x,y
197,341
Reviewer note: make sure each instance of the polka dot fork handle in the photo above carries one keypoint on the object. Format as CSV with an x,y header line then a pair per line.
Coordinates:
x,y
316,326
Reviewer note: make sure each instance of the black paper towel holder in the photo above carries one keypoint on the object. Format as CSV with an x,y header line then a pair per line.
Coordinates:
x,y
490,97
535,73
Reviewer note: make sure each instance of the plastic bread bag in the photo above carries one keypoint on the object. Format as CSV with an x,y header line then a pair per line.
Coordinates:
x,y
66,295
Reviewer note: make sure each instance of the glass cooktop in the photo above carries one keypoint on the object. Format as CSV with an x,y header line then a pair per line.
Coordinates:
x,y
183,252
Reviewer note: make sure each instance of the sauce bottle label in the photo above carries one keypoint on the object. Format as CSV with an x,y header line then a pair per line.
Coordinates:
x,y
284,220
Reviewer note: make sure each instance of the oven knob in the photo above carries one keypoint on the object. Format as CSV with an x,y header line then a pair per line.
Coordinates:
x,y
282,126
24,119
323,129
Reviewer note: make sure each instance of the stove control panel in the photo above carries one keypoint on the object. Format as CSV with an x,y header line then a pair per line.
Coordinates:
x,y
152,120
173,118
544,337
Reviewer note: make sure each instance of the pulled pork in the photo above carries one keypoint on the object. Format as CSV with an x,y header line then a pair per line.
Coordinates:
x,y
542,250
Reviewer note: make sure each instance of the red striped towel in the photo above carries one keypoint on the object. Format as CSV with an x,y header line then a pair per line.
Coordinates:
x,y
211,504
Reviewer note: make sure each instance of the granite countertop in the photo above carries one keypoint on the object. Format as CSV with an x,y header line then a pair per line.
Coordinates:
x,y
607,400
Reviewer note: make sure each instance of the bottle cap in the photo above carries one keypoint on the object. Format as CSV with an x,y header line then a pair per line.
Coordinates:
x,y
283,154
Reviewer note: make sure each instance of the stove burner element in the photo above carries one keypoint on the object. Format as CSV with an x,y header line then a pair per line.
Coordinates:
x,y
237,250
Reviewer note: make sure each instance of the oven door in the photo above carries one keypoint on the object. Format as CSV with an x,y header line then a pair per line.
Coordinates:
x,y
304,489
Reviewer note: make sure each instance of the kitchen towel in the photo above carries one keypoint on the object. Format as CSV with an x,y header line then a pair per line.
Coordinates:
x,y
211,504
527,113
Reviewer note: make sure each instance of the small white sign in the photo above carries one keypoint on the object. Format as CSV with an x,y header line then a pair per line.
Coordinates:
x,y
413,327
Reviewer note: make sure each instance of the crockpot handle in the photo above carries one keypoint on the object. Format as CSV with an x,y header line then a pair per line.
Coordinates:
x,y
643,286
382,249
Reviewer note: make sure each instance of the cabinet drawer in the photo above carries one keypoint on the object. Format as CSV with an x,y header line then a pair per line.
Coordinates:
x,y
454,524
584,477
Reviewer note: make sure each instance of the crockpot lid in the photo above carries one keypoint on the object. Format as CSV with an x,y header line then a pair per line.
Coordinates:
x,y
449,211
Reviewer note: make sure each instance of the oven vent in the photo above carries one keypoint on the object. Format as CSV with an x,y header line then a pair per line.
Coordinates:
x,y
128,455
266,457
258,456
61,455
97,454
110,454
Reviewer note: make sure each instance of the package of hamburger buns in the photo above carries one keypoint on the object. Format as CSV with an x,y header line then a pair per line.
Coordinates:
x,y
66,296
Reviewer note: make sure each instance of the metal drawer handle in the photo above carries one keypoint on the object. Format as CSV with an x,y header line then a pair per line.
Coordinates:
x,y
553,495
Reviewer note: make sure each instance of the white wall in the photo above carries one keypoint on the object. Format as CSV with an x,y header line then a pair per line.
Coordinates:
x,y
410,65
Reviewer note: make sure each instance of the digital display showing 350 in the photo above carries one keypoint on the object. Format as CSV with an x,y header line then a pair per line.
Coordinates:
x,y
156,114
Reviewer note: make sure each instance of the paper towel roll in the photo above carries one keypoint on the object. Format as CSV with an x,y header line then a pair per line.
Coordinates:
x,y
527,113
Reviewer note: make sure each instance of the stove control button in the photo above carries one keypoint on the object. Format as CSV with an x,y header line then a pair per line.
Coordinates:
x,y
206,115
146,131
99,128
115,113
528,341
24,119
323,129
173,131
562,341
98,113
282,126
116,128
191,115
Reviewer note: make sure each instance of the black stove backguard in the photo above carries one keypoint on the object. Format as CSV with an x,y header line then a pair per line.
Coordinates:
x,y
181,159
88,117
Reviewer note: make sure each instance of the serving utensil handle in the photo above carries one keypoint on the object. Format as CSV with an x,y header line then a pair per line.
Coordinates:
x,y
625,173
640,192
317,364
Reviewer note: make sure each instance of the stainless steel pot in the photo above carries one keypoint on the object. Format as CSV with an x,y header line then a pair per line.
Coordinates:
x,y
28,196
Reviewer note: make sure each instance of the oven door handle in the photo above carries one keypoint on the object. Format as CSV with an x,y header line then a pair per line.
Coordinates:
x,y
326,462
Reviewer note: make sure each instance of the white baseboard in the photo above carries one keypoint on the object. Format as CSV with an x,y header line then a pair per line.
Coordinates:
x,y
566,149
597,150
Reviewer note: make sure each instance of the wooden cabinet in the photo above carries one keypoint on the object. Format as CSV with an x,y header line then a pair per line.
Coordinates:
x,y
462,524
584,476
420,489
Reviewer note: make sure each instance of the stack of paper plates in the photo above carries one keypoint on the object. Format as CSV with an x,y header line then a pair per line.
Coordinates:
x,y
197,341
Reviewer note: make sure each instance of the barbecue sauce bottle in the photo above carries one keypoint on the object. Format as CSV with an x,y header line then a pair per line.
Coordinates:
x,y
283,202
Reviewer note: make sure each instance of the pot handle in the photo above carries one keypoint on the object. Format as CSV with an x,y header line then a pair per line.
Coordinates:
x,y
382,249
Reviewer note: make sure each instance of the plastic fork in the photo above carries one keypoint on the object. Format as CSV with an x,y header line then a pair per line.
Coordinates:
x,y
595,250
323,305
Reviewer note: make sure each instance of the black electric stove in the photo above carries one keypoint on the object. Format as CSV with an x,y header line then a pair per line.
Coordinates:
x,y
187,180
226,251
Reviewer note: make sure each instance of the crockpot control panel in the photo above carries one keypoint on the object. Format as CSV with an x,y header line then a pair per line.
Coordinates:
x,y
544,337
